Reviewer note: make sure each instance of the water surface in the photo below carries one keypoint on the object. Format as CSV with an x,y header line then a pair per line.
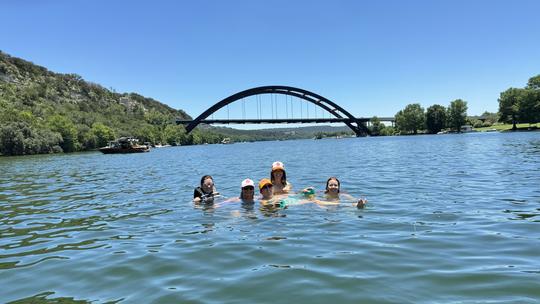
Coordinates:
x,y
451,219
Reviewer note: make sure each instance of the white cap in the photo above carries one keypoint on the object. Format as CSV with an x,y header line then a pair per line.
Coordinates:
x,y
277,165
248,182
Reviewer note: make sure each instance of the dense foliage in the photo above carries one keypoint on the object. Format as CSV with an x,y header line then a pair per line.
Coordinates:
x,y
521,105
457,114
45,112
435,118
411,119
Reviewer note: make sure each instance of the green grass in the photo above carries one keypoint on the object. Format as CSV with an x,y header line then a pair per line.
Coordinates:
x,y
505,127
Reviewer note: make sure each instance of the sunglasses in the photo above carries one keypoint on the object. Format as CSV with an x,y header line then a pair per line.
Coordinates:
x,y
250,188
267,187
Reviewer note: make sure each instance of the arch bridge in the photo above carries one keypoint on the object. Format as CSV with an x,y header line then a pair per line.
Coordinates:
x,y
340,115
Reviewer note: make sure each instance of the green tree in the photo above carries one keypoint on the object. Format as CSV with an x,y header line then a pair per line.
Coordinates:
x,y
102,134
435,118
509,106
489,118
67,130
148,133
534,83
457,114
12,139
387,131
411,119
376,126
174,134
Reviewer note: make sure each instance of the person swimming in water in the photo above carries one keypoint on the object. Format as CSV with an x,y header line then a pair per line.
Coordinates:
x,y
267,193
206,192
247,193
333,194
278,177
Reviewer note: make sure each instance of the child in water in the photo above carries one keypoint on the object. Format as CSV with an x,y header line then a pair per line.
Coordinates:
x,y
278,177
333,195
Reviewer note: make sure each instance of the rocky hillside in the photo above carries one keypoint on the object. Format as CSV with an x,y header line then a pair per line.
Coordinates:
x,y
43,112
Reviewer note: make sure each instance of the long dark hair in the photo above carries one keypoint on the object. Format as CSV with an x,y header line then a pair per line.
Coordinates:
x,y
205,177
242,192
283,178
328,181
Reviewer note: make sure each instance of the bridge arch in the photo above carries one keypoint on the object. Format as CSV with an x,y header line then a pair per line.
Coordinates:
x,y
356,125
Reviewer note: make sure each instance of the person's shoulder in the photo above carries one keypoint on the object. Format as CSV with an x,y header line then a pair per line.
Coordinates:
x,y
197,192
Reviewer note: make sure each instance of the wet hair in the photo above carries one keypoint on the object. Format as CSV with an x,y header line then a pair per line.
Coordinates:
x,y
328,181
283,178
206,177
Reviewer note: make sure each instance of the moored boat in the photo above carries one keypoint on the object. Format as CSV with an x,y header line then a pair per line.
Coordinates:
x,y
124,145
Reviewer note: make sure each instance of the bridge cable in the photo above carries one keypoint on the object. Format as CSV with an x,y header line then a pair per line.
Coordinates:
x,y
276,104
272,105
243,109
286,106
292,107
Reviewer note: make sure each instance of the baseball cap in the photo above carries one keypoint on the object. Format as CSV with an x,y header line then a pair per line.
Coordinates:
x,y
247,182
264,182
277,165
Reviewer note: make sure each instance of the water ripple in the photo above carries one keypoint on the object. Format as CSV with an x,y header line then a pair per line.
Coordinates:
x,y
450,219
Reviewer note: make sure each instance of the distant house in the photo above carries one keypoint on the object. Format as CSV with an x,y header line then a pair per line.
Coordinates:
x,y
466,128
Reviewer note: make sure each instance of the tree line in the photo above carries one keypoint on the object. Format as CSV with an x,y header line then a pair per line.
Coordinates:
x,y
516,105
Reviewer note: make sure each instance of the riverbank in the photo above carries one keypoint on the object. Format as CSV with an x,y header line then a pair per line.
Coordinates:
x,y
508,127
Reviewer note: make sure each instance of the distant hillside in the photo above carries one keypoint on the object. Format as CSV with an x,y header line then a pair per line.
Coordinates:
x,y
282,133
43,112
46,112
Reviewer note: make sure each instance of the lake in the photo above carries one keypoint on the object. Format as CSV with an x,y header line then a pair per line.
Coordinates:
x,y
450,219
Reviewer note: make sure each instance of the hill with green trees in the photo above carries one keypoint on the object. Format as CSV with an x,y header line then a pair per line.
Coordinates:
x,y
46,112
43,112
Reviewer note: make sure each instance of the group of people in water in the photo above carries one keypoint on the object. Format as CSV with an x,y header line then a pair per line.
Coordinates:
x,y
276,192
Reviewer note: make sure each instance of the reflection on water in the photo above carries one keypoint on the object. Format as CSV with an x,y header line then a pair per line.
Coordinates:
x,y
451,218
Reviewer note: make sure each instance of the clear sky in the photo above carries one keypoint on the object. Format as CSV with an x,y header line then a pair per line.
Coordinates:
x,y
370,57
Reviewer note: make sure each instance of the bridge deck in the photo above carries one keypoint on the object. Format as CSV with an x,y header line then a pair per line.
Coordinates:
x,y
278,120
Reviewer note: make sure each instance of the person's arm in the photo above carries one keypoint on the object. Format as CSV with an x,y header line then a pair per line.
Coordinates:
x,y
197,195
287,187
231,200
325,203
359,203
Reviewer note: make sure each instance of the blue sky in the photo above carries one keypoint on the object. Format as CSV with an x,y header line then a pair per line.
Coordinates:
x,y
372,58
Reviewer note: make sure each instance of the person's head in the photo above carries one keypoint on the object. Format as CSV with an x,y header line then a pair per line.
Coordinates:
x,y
265,187
207,184
278,173
332,185
248,190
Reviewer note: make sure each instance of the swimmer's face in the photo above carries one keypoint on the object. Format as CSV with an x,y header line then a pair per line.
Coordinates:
x,y
266,191
333,186
208,185
248,192
278,174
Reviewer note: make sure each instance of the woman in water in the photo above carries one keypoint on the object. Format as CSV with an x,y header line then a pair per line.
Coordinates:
x,y
333,195
278,177
206,191
247,193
